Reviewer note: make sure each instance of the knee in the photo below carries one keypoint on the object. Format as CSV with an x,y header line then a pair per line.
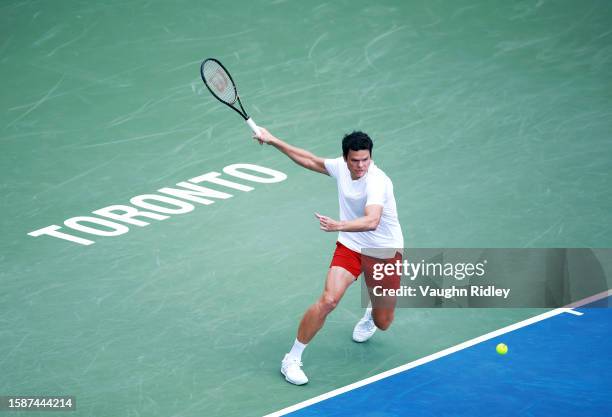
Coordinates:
x,y
327,303
383,321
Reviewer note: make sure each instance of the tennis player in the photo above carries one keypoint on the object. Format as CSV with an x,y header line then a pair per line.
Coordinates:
x,y
368,220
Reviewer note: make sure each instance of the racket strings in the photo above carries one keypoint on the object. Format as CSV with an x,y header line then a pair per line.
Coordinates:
x,y
219,82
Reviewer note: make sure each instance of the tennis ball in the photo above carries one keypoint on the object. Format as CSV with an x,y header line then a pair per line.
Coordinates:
x,y
502,349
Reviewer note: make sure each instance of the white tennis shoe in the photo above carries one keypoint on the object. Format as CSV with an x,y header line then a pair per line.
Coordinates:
x,y
365,328
292,369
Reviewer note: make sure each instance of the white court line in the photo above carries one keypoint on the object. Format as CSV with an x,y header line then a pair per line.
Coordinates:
x,y
421,361
574,312
591,299
445,352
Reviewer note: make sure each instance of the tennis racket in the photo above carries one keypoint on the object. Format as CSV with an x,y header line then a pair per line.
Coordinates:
x,y
221,85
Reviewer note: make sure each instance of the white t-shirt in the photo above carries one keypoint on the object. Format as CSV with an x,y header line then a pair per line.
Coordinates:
x,y
354,195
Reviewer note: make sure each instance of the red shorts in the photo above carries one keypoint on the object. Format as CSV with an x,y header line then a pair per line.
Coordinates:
x,y
372,268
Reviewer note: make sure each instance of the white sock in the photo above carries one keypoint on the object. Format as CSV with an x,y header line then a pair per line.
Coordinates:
x,y
368,313
297,349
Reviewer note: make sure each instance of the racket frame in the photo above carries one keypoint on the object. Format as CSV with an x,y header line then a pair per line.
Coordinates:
x,y
242,113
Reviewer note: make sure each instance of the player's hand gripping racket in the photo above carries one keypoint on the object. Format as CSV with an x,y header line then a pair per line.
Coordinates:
x,y
221,85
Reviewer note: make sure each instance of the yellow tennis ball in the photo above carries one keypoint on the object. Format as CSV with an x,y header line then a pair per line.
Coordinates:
x,y
502,349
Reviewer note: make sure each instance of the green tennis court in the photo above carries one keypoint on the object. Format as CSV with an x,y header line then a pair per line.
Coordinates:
x,y
492,118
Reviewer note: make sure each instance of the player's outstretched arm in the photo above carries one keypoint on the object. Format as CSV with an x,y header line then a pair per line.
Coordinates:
x,y
300,156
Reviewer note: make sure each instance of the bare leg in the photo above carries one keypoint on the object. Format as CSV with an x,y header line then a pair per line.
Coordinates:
x,y
383,310
338,280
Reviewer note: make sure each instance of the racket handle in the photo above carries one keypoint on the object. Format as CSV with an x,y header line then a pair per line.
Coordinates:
x,y
253,126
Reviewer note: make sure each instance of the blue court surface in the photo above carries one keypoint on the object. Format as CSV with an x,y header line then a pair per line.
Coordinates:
x,y
558,364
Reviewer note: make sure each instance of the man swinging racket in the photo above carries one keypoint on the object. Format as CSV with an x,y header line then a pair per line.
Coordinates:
x,y
368,219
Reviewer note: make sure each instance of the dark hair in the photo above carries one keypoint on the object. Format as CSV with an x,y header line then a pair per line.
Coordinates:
x,y
356,141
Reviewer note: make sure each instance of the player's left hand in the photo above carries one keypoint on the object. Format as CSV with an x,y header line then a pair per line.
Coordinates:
x,y
327,223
